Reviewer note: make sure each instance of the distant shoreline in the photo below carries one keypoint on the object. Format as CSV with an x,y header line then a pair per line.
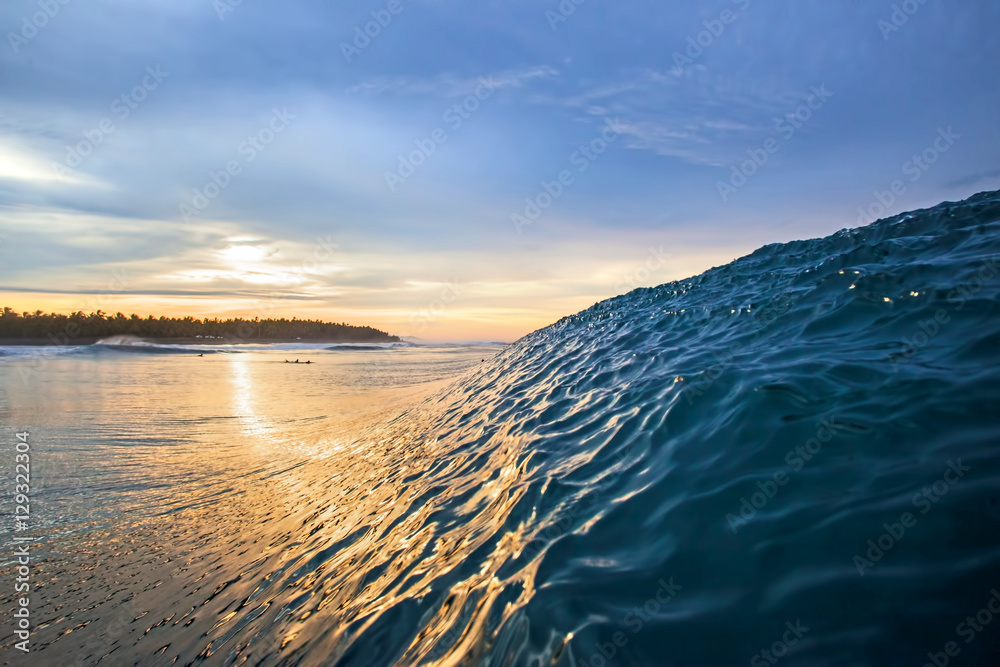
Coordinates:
x,y
189,341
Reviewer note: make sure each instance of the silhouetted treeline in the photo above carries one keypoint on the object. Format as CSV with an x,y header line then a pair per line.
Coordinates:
x,y
51,326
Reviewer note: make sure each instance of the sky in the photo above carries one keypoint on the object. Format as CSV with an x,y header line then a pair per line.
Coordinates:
x,y
463,170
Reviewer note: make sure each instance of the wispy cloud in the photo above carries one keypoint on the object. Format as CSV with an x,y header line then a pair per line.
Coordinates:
x,y
449,85
699,117
976,178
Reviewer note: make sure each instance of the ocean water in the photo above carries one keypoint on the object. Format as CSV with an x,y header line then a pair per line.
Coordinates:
x,y
791,459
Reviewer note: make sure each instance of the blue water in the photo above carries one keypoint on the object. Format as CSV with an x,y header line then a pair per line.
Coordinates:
x,y
641,423
791,459
635,428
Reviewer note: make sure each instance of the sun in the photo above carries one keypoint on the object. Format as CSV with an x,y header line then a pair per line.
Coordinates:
x,y
241,254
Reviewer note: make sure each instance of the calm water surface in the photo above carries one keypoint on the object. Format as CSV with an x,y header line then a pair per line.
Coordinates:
x,y
189,507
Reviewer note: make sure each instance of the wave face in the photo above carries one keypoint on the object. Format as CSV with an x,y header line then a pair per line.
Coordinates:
x,y
692,474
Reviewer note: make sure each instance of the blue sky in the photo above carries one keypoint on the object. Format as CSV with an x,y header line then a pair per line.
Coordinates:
x,y
318,217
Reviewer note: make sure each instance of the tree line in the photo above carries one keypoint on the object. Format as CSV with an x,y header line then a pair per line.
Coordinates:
x,y
101,325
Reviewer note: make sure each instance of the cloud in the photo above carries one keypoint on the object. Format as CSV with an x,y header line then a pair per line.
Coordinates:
x,y
449,85
978,177
699,117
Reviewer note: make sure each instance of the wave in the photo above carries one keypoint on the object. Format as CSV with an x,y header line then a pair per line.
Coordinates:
x,y
761,447
355,347
134,345
15,353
